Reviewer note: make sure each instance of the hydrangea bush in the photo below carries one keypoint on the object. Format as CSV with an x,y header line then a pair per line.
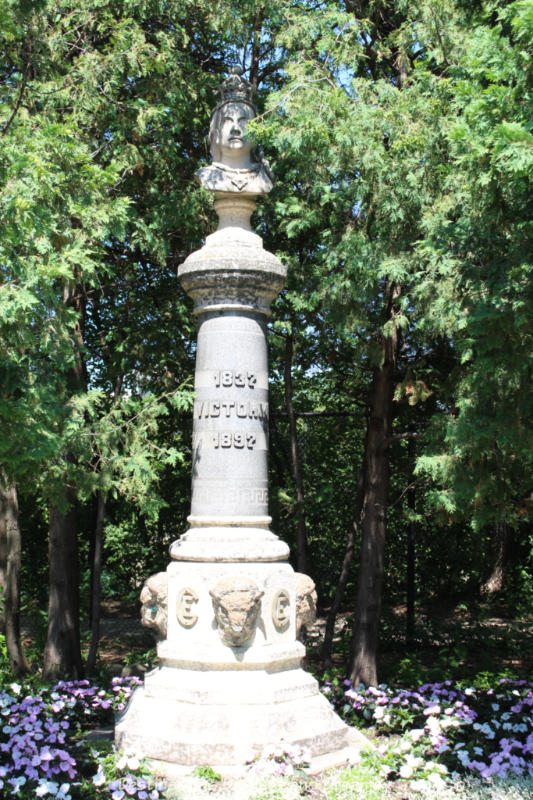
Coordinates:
x,y
444,728
43,749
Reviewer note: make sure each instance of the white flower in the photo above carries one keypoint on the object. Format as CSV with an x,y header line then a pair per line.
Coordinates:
x,y
433,725
435,780
15,687
406,771
122,763
133,763
99,779
46,787
416,734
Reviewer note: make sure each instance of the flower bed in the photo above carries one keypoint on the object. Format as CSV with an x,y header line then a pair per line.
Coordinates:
x,y
427,736
444,728
43,748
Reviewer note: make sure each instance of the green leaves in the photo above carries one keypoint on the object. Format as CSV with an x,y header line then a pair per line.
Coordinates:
x,y
98,207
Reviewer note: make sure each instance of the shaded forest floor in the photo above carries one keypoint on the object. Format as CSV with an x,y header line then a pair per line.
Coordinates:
x,y
450,642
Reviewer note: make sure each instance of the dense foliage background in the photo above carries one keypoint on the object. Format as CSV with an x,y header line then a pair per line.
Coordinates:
x,y
400,134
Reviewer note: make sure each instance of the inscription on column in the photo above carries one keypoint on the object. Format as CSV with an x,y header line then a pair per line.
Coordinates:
x,y
281,603
237,440
184,603
232,377
237,409
212,409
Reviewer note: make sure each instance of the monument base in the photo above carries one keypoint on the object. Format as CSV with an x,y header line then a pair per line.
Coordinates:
x,y
225,718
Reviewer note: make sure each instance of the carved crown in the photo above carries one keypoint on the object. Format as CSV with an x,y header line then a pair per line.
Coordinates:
x,y
235,89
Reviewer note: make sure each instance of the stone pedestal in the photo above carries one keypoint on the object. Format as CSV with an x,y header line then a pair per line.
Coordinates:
x,y
229,680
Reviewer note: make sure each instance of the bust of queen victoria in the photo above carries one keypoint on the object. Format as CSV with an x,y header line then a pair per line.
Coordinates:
x,y
237,165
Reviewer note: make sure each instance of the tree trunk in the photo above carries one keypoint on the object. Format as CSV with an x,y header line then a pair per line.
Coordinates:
x,y
345,573
256,48
501,537
62,655
3,559
364,645
301,534
96,582
411,540
10,558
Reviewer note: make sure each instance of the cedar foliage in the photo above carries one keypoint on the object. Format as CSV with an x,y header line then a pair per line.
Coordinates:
x,y
400,135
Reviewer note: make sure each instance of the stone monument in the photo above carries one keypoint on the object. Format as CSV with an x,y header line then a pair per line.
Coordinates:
x,y
229,680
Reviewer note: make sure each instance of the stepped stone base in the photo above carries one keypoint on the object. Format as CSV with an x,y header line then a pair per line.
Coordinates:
x,y
224,717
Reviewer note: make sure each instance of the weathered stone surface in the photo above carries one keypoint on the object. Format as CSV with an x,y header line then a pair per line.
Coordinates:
x,y
306,602
201,641
225,717
237,604
154,604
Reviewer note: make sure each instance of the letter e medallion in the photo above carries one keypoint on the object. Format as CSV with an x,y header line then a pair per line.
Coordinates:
x,y
184,602
281,603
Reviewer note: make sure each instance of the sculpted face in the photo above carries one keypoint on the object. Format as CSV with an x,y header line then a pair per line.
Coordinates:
x,y
233,120
154,604
237,605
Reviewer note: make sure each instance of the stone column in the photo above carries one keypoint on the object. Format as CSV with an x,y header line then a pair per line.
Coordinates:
x,y
232,280
229,680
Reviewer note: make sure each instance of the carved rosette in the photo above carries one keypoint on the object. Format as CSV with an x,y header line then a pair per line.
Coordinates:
x,y
237,605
